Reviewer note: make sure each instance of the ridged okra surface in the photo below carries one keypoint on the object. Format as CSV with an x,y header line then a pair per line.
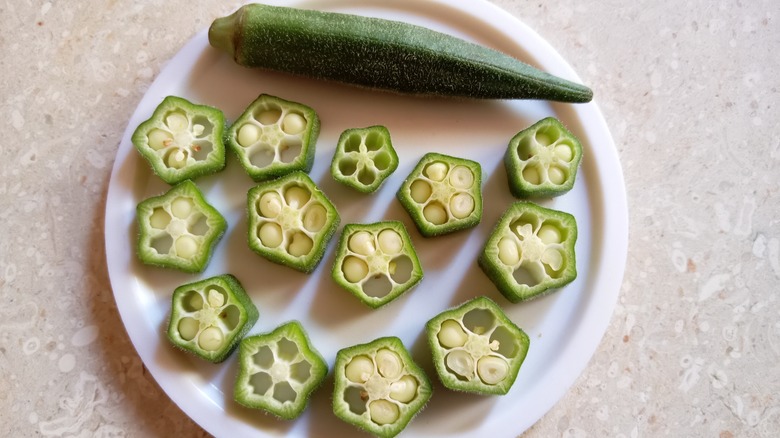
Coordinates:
x,y
530,251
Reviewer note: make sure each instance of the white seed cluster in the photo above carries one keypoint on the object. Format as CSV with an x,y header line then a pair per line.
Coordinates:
x,y
372,260
384,383
445,193
181,141
272,134
533,249
176,222
207,318
290,219
279,371
470,354
545,157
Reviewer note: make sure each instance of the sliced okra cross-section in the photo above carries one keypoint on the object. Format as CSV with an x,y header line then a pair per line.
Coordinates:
x,y
209,317
378,387
364,158
278,371
182,140
178,229
290,221
443,194
476,348
530,251
376,262
542,160
274,137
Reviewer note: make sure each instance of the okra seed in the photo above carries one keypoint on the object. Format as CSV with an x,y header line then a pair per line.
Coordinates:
x,y
404,390
296,196
564,152
461,177
531,175
383,412
270,234
460,363
177,158
177,121
451,334
248,134
549,234
354,269
420,191
186,247
198,129
293,123
508,252
215,298
314,218
188,328
435,213
556,175
270,204
362,243
390,241
181,207
269,116
461,205
159,219
157,138
436,171
301,245
210,339
194,303
552,258
359,369
388,363
492,370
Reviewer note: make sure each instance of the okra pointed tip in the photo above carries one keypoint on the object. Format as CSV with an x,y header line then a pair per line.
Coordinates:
x,y
222,32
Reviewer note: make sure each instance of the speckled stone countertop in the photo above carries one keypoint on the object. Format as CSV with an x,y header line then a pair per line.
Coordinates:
x,y
689,90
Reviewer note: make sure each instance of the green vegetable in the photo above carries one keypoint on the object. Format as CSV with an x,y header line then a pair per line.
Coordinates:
x,y
291,221
278,371
542,160
182,140
383,54
376,262
364,158
178,229
476,348
378,387
274,137
530,252
209,317
443,194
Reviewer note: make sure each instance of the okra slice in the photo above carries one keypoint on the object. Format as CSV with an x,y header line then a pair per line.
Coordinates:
x,y
530,252
376,262
364,158
443,194
209,317
378,387
476,348
542,160
274,137
182,140
278,371
178,229
290,221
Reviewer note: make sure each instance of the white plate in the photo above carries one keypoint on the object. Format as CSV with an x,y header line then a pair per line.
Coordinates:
x,y
565,327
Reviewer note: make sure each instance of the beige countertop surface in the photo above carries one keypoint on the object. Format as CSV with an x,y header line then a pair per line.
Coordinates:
x,y
690,91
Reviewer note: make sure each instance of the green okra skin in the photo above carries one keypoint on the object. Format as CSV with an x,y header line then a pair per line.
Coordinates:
x,y
178,229
542,160
378,387
476,348
209,317
290,221
182,140
443,194
381,54
278,371
376,262
364,158
530,252
274,137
